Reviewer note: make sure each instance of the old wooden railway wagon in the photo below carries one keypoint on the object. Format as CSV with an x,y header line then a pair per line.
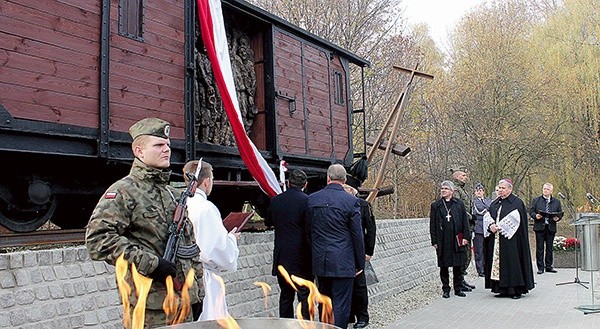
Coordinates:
x,y
74,75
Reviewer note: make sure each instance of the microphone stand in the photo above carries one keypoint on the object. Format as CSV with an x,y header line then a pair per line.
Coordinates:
x,y
570,209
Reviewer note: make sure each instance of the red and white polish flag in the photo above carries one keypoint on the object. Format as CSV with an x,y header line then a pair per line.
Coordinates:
x,y
215,40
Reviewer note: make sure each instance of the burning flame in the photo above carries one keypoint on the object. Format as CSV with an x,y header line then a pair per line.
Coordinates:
x,y
286,276
176,309
124,289
227,321
266,288
315,297
142,287
170,304
185,297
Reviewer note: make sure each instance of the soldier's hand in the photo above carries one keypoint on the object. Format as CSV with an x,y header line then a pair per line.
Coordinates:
x,y
163,270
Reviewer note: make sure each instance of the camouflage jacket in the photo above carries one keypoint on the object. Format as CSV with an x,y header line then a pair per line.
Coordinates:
x,y
462,195
133,217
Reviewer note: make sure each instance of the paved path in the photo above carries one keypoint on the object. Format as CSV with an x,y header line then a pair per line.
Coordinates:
x,y
546,306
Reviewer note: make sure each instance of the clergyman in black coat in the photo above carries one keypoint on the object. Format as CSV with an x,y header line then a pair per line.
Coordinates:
x,y
507,263
287,213
450,234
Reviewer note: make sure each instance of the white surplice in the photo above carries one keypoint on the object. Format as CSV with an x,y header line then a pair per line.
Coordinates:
x,y
218,253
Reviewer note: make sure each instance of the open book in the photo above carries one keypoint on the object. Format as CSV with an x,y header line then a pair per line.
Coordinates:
x,y
550,214
237,219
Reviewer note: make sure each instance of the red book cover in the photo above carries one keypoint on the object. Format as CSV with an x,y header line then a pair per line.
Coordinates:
x,y
237,219
459,239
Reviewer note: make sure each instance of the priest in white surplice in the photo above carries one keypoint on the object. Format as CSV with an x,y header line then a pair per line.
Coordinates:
x,y
507,263
218,248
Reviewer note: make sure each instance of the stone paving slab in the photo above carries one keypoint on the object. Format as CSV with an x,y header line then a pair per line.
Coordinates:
x,y
548,305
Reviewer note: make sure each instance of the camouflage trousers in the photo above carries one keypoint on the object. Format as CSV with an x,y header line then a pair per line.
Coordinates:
x,y
467,261
157,318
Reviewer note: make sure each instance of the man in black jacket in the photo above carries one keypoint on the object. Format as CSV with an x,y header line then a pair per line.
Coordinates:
x,y
545,211
359,310
287,213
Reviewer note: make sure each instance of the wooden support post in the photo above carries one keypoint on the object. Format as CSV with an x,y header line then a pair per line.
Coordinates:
x,y
396,114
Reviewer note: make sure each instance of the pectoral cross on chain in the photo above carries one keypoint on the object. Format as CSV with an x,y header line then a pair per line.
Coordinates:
x,y
448,216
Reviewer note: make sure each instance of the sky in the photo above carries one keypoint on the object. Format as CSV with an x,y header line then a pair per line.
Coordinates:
x,y
440,15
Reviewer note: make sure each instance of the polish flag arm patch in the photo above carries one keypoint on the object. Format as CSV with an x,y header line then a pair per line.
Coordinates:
x,y
110,195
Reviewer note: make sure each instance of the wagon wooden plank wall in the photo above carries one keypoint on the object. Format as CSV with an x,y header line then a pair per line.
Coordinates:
x,y
49,53
77,74
146,73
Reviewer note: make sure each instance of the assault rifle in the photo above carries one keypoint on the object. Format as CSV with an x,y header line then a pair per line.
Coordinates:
x,y
173,250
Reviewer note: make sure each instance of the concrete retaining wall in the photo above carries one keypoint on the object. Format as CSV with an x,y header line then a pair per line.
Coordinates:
x,y
63,288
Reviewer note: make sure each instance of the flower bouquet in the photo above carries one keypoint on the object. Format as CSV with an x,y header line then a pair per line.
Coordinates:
x,y
565,244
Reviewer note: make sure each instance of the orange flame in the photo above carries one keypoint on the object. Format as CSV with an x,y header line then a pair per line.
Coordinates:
x,y
315,297
171,302
142,287
304,324
176,309
185,297
286,276
226,321
124,288
266,288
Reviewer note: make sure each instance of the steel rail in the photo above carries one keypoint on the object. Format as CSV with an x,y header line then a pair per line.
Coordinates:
x,y
42,237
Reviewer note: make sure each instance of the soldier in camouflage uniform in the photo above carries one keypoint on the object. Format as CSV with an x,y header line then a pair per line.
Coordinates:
x,y
460,178
134,214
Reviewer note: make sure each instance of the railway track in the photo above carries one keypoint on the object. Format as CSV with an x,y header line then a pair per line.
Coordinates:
x,y
43,237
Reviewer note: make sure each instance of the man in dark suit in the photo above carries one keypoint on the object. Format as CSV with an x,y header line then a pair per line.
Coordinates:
x,y
545,211
359,311
338,250
287,213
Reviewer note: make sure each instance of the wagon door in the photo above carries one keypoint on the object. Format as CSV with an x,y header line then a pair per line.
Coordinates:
x,y
311,120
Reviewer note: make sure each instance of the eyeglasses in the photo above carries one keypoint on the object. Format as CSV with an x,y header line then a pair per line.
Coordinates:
x,y
445,188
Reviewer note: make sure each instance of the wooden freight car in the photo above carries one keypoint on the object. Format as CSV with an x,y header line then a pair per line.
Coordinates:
x,y
74,75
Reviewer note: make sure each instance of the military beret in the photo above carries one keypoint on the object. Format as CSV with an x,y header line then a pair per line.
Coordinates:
x,y
457,168
150,126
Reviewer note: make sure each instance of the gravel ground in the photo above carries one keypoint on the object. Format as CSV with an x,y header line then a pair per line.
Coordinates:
x,y
390,310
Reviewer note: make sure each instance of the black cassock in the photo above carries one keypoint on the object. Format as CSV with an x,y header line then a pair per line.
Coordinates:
x,y
444,233
516,271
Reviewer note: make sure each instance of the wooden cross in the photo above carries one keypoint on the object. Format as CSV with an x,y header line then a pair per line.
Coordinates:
x,y
396,114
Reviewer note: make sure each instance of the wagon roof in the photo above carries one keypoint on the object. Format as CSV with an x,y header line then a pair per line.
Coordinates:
x,y
280,22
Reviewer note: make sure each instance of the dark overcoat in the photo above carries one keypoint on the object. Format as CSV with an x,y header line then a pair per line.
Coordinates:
x,y
338,248
444,232
368,225
287,213
516,270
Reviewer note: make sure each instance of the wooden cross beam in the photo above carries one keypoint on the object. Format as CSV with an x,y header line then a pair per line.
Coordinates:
x,y
395,115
